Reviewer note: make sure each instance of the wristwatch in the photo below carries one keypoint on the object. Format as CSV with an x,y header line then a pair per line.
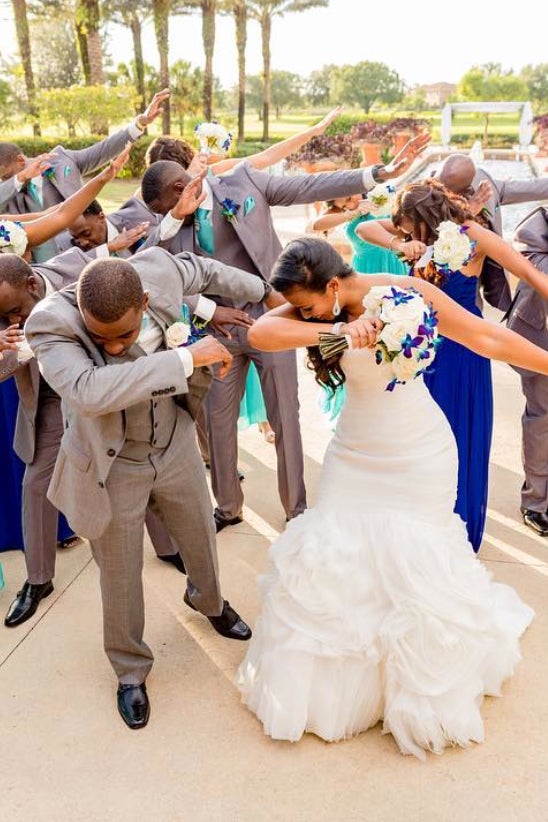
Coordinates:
x,y
375,169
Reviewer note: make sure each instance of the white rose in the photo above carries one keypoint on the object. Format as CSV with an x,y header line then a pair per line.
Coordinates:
x,y
392,335
405,368
453,247
13,238
410,312
373,299
177,334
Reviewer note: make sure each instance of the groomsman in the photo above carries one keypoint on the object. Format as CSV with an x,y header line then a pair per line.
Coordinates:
x,y
459,174
119,233
130,440
66,168
234,224
528,316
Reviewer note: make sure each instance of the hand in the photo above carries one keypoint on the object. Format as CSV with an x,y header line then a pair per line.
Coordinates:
x,y
127,237
363,331
191,198
34,167
154,108
320,127
412,250
198,164
208,351
481,196
110,172
10,337
229,316
403,160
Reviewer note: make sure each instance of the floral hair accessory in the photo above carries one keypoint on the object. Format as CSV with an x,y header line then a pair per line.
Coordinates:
x,y
213,137
229,209
382,197
13,238
409,338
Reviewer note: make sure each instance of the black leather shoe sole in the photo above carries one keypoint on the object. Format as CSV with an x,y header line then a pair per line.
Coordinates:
x,y
535,526
229,624
21,610
133,706
221,523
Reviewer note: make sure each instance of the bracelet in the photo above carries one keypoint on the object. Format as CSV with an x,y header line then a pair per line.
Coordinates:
x,y
395,237
336,329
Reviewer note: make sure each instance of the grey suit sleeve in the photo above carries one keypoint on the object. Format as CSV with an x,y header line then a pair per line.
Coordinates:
x,y
307,188
96,390
522,191
93,157
8,189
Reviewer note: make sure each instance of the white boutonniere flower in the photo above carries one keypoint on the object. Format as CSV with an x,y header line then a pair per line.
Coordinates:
x,y
177,334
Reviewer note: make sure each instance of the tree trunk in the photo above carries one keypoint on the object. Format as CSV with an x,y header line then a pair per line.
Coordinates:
x,y
161,9
208,38
135,25
23,41
240,18
87,26
266,26
82,41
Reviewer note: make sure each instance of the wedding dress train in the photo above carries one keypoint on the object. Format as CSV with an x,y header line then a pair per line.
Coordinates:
x,y
374,606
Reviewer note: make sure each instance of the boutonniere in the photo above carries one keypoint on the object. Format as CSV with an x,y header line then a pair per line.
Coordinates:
x,y
66,171
186,331
229,210
49,173
249,205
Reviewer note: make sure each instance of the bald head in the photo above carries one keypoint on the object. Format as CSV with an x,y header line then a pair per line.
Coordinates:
x,y
162,185
457,173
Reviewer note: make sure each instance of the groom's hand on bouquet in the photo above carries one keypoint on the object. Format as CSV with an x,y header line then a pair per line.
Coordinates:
x,y
362,332
209,351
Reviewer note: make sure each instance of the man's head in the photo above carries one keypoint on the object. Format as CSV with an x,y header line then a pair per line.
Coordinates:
x,y
20,289
162,184
89,229
12,160
457,174
111,301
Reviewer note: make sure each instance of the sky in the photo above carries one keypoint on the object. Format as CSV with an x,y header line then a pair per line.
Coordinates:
x,y
426,42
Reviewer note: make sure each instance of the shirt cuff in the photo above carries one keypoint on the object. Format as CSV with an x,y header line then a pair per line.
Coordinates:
x,y
186,358
169,227
102,250
368,181
134,131
205,308
18,183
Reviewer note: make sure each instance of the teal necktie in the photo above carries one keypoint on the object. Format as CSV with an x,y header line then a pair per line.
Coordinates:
x,y
204,230
34,193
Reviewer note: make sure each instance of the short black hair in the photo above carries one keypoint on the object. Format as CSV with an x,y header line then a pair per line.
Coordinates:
x,y
14,270
159,175
169,148
108,288
93,210
9,152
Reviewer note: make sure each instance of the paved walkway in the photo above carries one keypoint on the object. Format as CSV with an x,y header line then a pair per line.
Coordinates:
x,y
67,756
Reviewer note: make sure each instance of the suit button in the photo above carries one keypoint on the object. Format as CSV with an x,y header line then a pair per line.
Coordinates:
x,y
154,394
111,452
172,388
101,484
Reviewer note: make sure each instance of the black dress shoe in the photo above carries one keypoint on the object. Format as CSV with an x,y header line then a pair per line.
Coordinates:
x,y
221,523
176,560
241,475
228,623
133,705
536,520
26,602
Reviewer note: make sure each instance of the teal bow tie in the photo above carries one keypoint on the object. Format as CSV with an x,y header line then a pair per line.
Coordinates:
x,y
204,230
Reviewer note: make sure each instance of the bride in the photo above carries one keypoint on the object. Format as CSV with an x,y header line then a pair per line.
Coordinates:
x,y
373,606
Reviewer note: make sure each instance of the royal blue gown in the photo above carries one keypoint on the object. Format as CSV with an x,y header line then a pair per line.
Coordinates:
x,y
460,383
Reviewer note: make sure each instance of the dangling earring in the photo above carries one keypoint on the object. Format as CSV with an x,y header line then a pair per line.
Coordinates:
x,y
336,305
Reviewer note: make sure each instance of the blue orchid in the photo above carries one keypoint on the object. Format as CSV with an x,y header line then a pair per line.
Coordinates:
x,y
409,343
229,209
428,326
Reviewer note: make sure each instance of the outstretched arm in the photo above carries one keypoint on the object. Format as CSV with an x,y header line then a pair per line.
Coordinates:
x,y
52,222
384,234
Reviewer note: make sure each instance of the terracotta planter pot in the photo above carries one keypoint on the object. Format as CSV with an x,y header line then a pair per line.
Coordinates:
x,y
371,153
320,165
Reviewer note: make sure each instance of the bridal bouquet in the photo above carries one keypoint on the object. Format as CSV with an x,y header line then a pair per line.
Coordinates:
x,y
452,250
13,238
409,337
382,198
213,137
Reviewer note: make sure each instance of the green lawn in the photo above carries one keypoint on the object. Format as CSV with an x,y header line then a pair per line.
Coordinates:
x,y
116,193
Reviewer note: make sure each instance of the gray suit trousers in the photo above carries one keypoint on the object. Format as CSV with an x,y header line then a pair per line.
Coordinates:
x,y
172,481
534,423
40,518
278,375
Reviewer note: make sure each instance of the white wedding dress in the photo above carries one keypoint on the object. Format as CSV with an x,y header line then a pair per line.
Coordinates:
x,y
374,606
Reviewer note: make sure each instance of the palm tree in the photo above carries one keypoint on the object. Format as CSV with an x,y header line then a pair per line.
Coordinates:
x,y
88,18
161,10
238,9
264,11
132,15
208,9
23,41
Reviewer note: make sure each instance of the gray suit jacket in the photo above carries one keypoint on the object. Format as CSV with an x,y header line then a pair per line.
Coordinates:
x,y
69,167
504,192
60,271
528,315
95,394
252,243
